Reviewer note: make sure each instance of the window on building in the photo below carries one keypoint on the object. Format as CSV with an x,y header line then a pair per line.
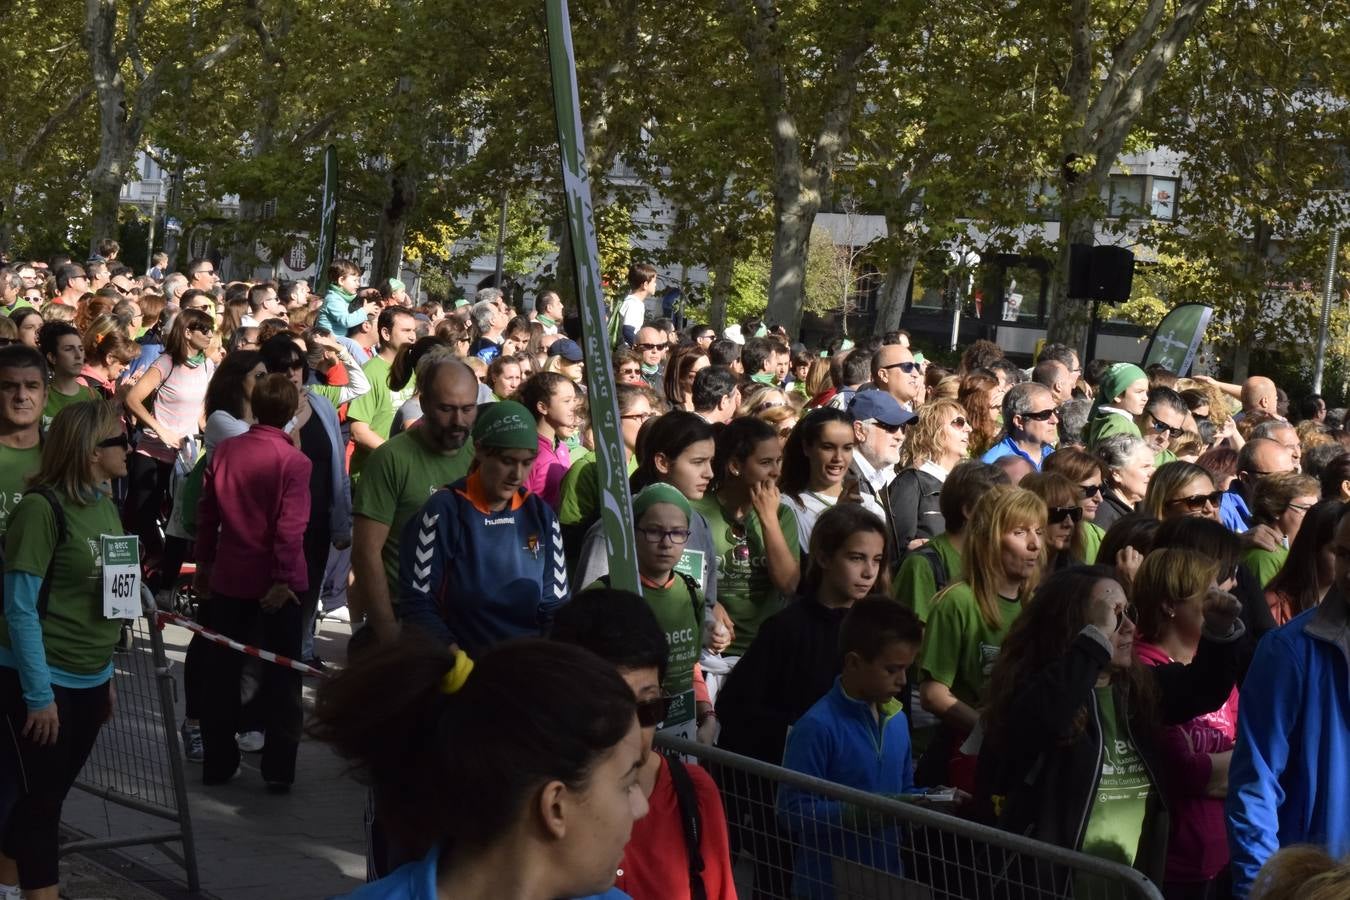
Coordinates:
x,y
1126,195
1163,199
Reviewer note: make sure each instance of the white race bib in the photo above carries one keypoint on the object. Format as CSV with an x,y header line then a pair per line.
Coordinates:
x,y
121,576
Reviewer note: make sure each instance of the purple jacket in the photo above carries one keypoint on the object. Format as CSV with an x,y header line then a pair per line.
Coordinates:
x,y
252,515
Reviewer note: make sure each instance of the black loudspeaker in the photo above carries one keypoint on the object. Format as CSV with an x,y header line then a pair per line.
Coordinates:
x,y
1100,273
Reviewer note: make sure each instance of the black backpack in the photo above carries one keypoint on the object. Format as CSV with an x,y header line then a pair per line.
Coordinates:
x,y
940,574
62,533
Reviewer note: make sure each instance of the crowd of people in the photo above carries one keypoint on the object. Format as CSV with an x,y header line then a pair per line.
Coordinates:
x,y
1105,606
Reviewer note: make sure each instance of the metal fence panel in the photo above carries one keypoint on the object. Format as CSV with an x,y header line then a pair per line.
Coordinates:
x,y
794,836
137,761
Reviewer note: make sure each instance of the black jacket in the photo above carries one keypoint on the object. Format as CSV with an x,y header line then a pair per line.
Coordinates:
x,y
914,507
791,663
1045,787
1112,508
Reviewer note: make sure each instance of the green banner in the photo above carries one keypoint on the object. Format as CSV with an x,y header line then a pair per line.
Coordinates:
x,y
327,220
1178,336
616,509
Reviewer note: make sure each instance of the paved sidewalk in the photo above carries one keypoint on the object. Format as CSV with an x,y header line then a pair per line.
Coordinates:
x,y
252,844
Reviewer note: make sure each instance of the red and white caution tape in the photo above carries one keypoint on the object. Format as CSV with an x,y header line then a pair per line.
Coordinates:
x,y
163,618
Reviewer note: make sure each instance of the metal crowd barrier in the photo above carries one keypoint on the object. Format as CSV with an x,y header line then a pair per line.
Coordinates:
x,y
794,836
137,762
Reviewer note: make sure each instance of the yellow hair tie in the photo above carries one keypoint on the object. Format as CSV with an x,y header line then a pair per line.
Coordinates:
x,y
458,674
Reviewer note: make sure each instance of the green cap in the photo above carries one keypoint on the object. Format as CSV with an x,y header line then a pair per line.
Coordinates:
x,y
1116,379
660,492
395,286
461,303
506,425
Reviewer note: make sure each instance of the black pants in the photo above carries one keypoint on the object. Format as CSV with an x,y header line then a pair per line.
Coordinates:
x,y
279,695
45,774
147,489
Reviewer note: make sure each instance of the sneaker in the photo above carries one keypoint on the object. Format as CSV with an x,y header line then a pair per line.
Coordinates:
x,y
250,741
341,614
9,892
192,743
316,663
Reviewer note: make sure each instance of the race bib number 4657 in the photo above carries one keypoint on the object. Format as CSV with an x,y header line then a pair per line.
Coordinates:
x,y
121,576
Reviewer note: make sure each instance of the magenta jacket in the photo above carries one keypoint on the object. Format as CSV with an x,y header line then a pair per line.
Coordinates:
x,y
1197,848
545,478
252,515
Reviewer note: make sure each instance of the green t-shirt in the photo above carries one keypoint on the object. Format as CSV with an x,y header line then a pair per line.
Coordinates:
x,y
57,401
377,406
15,467
1162,458
1121,799
1264,564
580,490
1092,541
959,649
743,585
399,477
915,586
1105,424
681,618
76,636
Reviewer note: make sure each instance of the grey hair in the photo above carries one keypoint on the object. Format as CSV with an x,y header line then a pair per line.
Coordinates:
x,y
1019,400
1115,451
1073,418
483,313
489,295
175,283
1268,429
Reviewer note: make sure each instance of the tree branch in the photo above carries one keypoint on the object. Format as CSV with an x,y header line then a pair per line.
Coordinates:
x,y
58,118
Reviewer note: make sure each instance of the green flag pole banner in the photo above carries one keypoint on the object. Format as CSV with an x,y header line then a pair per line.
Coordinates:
x,y
327,220
1177,338
616,509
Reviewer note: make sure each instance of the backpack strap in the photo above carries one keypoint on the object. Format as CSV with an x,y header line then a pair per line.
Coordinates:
x,y
692,823
934,559
62,533
690,584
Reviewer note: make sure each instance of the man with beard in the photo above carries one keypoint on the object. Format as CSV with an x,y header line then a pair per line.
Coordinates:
x,y
878,423
398,478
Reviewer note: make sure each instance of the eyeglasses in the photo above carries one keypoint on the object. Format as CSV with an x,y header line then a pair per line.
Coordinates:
x,y
203,272
1196,502
656,535
638,417
1041,415
646,347
909,368
889,429
958,422
199,328
1058,514
1090,490
1160,426
629,372
1301,507
121,442
1130,612
651,713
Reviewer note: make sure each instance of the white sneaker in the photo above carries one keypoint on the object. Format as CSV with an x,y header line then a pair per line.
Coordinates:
x,y
341,614
9,892
250,741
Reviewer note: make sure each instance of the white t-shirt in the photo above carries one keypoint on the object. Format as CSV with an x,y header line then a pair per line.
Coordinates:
x,y
633,312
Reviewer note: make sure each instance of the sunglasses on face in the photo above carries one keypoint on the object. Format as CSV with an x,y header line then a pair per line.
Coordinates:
x,y
1128,612
121,442
1160,426
1196,502
646,347
651,713
958,422
199,328
1058,514
1090,490
889,429
909,368
1043,415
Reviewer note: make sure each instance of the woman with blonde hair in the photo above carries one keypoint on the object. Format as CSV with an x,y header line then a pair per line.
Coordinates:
x,y
978,394
782,418
934,443
1169,593
757,397
1302,873
1004,554
1181,489
1280,501
56,669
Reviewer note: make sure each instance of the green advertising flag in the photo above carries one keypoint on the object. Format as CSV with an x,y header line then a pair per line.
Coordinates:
x,y
616,509
1177,338
327,220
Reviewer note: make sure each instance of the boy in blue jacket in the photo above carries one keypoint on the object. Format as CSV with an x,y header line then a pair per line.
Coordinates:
x,y
856,735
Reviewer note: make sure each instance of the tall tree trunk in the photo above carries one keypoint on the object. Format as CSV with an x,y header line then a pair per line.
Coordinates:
x,y
795,215
895,290
1069,316
106,177
722,268
387,255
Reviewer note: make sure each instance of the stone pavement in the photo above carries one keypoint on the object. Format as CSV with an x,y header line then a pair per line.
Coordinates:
x,y
250,844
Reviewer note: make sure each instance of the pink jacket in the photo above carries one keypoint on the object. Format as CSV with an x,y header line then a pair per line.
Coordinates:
x,y
545,478
252,515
